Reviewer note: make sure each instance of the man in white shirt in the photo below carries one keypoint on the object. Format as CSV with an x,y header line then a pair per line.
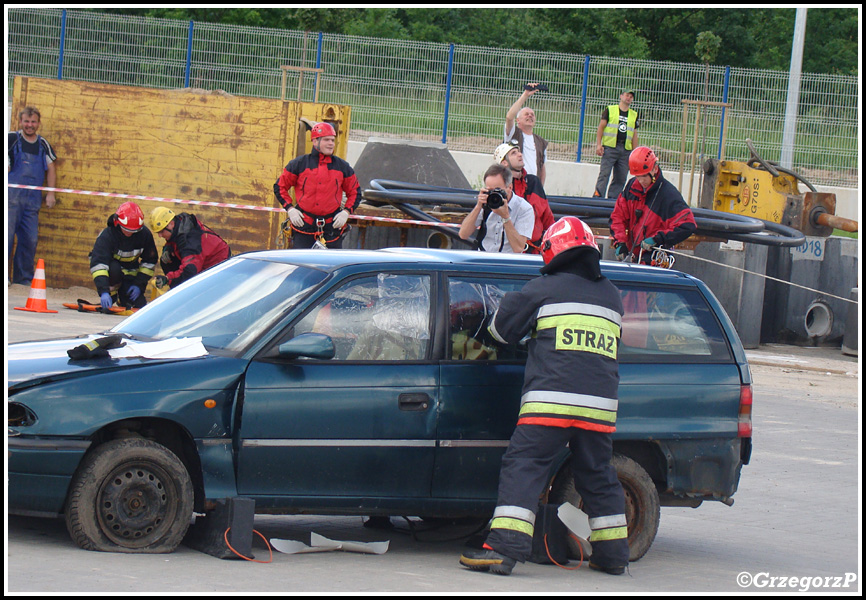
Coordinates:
x,y
519,125
505,228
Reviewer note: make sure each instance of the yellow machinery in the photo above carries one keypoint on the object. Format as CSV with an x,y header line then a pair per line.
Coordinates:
x,y
765,191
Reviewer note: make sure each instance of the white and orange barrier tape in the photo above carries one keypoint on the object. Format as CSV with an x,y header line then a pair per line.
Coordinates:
x,y
220,204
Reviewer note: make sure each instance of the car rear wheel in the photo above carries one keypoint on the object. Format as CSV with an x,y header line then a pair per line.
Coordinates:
x,y
641,503
130,495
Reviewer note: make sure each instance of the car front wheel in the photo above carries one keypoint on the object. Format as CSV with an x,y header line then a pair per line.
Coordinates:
x,y
641,503
130,495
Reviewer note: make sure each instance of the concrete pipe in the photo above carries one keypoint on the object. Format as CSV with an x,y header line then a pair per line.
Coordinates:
x,y
818,319
439,241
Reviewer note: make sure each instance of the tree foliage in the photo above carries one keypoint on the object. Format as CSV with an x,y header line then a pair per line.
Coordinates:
x,y
750,37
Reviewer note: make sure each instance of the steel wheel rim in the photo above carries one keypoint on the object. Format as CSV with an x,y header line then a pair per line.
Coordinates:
x,y
135,504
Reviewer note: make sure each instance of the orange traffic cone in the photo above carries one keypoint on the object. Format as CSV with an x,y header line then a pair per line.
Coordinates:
x,y
37,302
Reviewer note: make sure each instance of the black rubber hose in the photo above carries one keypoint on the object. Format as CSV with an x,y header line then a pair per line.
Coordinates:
x,y
417,213
597,210
776,235
721,223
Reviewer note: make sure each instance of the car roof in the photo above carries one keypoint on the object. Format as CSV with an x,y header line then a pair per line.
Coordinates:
x,y
329,260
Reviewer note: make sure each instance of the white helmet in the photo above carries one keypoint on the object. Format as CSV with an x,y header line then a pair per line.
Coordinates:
x,y
502,151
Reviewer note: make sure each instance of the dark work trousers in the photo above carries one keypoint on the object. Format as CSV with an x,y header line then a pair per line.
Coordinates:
x,y
303,240
120,283
524,474
615,159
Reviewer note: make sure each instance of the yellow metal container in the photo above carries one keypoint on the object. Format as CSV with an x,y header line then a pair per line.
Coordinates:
x,y
188,144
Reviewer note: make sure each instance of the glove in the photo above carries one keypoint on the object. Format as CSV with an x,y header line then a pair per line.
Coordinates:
x,y
166,256
97,348
648,244
105,300
133,292
160,281
296,217
621,251
340,219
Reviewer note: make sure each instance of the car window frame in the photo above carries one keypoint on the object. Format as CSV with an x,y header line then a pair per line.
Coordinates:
x,y
671,357
445,316
271,353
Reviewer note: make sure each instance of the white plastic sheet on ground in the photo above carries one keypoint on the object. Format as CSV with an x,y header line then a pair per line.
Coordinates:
x,y
319,543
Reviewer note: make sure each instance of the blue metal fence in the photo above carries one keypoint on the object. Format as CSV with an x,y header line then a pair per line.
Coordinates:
x,y
443,92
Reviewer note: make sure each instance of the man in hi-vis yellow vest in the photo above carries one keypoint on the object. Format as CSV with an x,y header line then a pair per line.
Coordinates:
x,y
616,136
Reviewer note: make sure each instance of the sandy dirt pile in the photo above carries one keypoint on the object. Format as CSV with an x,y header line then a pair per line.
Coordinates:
x,y
56,294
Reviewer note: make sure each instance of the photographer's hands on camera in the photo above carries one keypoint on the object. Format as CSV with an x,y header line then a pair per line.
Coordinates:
x,y
496,200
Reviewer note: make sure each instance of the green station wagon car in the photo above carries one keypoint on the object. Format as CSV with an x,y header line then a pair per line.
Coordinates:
x,y
356,382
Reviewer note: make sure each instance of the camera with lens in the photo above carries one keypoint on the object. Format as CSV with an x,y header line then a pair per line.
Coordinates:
x,y
538,86
496,198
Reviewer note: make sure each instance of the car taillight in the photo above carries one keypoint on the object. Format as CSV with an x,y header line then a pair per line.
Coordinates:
x,y
744,421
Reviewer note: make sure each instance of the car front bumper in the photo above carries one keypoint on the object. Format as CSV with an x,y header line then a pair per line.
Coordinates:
x,y
40,472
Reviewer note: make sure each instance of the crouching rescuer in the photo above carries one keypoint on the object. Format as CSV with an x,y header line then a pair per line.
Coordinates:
x,y
123,258
190,246
570,393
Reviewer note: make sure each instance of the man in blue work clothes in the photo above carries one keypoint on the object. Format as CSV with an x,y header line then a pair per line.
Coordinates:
x,y
31,162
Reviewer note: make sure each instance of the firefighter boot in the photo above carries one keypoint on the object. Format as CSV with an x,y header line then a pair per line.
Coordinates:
x,y
484,559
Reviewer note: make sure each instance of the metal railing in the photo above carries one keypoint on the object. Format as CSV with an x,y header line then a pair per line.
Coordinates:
x,y
449,93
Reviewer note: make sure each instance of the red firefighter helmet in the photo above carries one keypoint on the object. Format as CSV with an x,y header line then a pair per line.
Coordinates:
x,y
322,130
641,161
129,217
565,234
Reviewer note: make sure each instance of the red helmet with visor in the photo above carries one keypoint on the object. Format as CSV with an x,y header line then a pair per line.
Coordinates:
x,y
565,234
129,217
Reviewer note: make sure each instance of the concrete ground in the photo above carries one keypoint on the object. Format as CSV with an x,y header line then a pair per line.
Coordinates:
x,y
795,525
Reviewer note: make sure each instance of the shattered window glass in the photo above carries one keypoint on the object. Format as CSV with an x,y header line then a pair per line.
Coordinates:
x,y
385,317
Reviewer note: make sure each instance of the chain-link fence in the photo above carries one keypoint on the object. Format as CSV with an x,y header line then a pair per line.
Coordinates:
x,y
455,94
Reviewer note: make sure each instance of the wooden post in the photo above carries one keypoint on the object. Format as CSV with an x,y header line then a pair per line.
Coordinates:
x,y
698,104
301,70
683,142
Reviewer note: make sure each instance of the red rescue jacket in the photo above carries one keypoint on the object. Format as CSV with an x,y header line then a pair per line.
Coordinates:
x,y
529,188
319,183
659,212
196,246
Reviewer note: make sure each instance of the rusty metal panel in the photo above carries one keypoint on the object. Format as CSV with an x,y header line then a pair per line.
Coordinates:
x,y
188,144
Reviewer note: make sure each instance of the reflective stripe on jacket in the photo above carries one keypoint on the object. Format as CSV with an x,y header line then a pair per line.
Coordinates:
x,y
136,255
571,377
611,130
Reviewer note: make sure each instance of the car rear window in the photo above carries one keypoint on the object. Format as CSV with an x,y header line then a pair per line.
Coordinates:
x,y
669,325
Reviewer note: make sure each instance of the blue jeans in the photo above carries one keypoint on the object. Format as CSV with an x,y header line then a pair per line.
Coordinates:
x,y
23,225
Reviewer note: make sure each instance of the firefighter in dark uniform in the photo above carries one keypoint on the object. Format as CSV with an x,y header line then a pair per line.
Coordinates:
x,y
123,258
319,179
574,314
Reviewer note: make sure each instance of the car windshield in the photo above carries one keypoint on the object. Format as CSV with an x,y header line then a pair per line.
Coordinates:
x,y
229,306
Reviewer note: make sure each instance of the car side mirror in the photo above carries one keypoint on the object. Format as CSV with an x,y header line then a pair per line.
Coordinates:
x,y
310,345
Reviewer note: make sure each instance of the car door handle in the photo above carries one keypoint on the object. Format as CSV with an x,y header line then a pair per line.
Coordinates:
x,y
413,401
